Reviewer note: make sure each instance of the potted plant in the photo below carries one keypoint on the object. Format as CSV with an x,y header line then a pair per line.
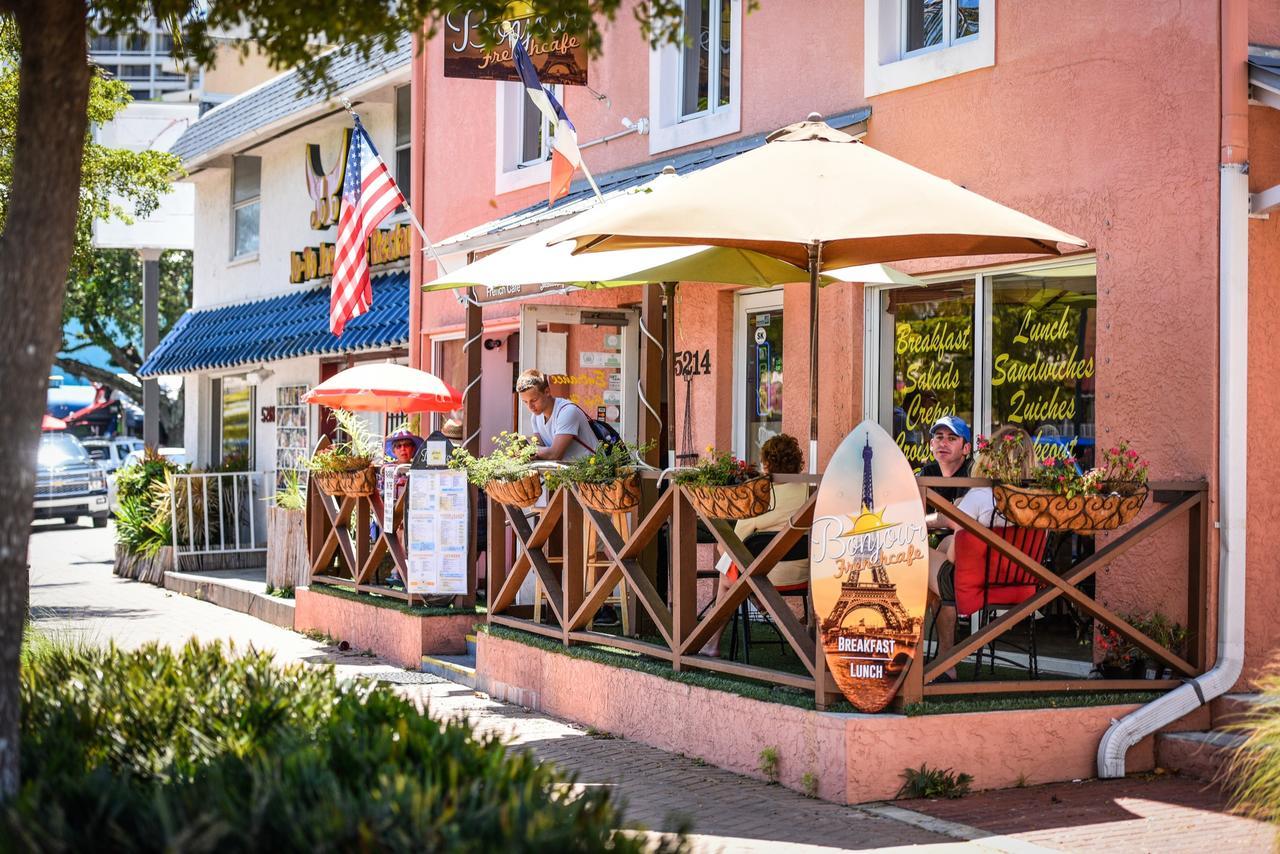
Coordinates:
x,y
721,486
1163,630
346,468
1120,659
1059,496
287,564
506,474
606,480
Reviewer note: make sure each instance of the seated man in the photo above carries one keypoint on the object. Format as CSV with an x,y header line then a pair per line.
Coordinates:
x,y
950,442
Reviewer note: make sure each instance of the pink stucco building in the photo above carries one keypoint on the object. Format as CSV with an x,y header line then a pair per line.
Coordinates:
x,y
1125,123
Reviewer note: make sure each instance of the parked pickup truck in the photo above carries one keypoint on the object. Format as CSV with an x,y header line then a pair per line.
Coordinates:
x,y
69,483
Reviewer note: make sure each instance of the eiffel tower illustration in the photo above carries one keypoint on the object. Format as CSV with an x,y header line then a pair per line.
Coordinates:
x,y
879,594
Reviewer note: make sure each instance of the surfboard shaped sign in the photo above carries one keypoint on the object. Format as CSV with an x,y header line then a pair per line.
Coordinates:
x,y
869,565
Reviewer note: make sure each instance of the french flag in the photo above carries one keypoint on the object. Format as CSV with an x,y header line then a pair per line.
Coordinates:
x,y
565,157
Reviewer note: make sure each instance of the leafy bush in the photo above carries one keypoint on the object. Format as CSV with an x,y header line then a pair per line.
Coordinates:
x,y
718,468
606,465
290,495
1254,772
509,461
926,782
142,519
358,452
202,750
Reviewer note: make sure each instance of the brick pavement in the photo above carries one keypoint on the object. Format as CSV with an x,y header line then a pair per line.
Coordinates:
x,y
73,591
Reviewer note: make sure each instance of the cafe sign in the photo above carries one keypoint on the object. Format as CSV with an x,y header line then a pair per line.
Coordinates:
x,y
560,58
386,245
869,567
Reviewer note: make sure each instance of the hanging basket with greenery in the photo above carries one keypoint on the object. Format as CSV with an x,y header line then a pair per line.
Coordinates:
x,y
605,480
505,474
345,469
721,486
1059,497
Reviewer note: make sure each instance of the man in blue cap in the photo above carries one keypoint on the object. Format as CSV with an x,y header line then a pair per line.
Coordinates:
x,y
951,442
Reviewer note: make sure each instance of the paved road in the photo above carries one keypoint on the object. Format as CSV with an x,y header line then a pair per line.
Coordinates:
x,y
74,592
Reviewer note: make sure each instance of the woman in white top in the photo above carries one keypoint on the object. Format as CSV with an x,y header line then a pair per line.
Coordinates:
x,y
780,455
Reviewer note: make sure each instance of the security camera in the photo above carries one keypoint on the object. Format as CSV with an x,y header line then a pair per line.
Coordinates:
x,y
492,343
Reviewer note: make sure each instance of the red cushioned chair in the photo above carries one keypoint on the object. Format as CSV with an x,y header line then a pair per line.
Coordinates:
x,y
988,583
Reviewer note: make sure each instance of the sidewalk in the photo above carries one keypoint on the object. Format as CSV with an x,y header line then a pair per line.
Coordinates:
x,y
73,591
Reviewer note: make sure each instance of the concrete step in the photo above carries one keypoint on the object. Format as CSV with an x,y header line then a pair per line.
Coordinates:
x,y
1197,754
456,668
1234,709
238,590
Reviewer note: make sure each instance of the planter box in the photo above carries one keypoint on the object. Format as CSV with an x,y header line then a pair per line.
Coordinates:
x,y
391,633
855,758
143,568
287,564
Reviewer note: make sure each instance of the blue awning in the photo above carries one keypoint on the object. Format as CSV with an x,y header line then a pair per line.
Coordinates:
x,y
281,327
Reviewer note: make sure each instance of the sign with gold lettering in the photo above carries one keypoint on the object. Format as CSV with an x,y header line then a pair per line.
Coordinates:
x,y
560,59
325,188
386,245
869,566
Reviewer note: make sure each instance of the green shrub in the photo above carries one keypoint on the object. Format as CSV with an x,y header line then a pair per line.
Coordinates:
x,y
205,750
1254,771
926,782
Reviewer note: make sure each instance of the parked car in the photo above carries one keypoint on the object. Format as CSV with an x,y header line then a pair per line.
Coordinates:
x,y
177,456
111,455
69,483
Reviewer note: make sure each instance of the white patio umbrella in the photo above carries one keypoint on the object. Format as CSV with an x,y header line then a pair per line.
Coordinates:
x,y
813,194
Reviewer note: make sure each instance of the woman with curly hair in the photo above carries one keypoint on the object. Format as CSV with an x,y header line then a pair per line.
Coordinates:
x,y
779,455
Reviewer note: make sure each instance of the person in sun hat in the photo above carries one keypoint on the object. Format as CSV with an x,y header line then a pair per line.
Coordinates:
x,y
401,445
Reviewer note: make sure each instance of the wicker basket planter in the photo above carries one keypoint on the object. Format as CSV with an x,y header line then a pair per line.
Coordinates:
x,y
740,501
524,492
1030,507
360,483
617,496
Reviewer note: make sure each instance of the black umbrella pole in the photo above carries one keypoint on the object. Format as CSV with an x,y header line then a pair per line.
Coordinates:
x,y
815,266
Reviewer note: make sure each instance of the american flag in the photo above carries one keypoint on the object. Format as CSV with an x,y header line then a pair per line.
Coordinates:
x,y
369,193
565,157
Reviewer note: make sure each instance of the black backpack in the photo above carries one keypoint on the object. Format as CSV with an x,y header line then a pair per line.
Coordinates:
x,y
606,436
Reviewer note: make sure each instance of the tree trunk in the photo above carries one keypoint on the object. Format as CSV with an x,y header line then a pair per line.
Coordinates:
x,y
35,252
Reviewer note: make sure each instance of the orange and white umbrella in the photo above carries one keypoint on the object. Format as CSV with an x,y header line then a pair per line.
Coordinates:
x,y
51,423
385,387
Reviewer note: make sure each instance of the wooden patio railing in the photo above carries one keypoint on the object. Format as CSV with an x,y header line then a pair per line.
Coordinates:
x,y
679,633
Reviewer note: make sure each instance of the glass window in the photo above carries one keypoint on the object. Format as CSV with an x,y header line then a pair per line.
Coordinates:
x,y
936,23
1043,333
930,338
164,43
705,58
103,44
140,94
404,139
135,72
763,396
136,42
246,182
535,134
237,425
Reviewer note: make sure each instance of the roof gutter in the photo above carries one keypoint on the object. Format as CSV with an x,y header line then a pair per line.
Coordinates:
x,y
1233,413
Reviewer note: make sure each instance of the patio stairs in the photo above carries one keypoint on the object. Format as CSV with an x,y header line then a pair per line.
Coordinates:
x,y
1206,755
456,668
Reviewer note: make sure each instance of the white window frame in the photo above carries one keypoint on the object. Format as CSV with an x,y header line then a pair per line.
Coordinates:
x,y
877,397
402,181
668,128
244,203
510,173
887,66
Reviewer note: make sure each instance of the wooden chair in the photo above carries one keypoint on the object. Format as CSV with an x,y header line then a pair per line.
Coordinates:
x,y
987,583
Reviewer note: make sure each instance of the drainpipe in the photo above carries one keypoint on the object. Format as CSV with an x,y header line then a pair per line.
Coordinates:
x,y
417,198
1233,352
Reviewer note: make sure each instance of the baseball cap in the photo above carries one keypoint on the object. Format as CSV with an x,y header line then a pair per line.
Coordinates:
x,y
955,424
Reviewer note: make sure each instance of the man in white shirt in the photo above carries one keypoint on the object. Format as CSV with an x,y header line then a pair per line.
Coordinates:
x,y
562,427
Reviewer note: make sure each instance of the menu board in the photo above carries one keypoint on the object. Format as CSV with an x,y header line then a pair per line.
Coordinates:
x,y
436,533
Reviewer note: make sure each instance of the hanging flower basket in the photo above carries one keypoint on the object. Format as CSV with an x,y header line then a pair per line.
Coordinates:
x,y
739,501
360,483
524,492
1034,507
616,496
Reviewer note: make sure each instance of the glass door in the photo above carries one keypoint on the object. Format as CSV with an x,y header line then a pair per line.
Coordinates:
x,y
758,372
